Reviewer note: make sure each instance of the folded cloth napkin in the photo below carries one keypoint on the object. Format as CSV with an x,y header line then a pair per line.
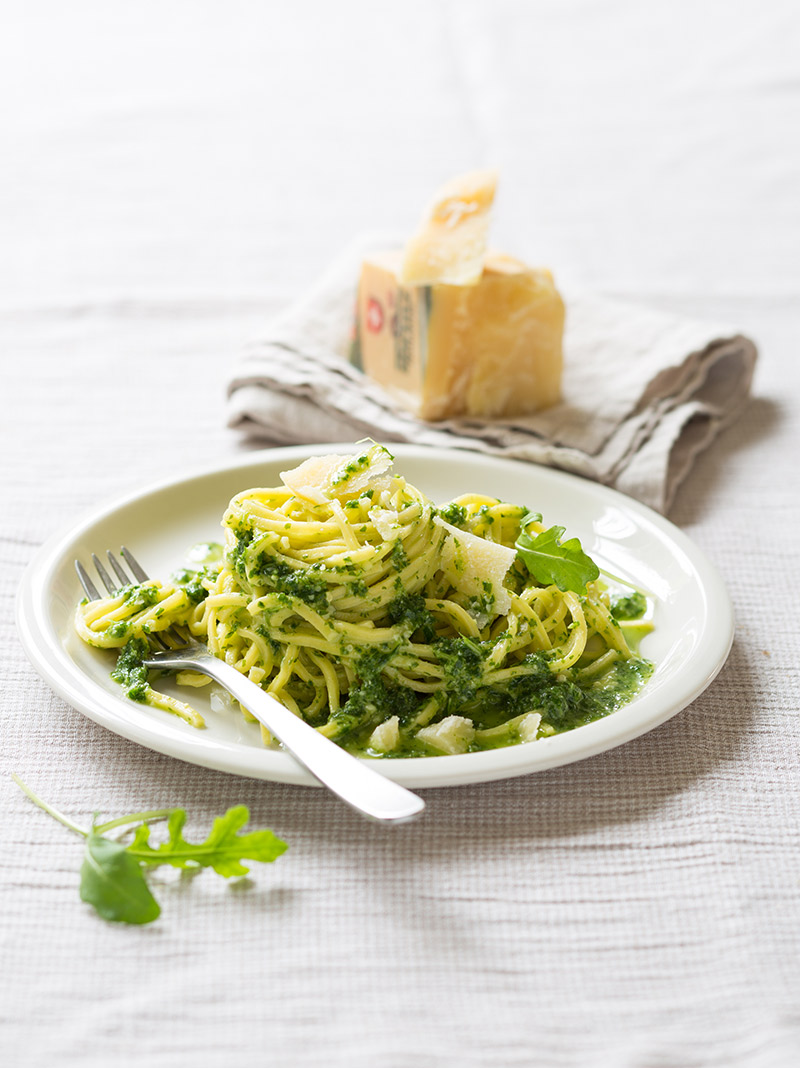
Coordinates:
x,y
643,392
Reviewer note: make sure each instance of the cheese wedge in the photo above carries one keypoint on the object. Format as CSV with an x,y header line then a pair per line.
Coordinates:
x,y
450,246
488,350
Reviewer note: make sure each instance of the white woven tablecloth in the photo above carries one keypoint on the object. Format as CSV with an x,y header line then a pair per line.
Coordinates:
x,y
175,174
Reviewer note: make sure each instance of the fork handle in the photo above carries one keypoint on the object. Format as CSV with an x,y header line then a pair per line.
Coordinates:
x,y
353,780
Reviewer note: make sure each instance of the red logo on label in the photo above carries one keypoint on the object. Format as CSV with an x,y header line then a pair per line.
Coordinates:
x,y
374,315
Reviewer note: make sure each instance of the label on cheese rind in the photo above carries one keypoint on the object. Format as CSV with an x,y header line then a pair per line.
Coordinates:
x,y
450,246
392,328
489,350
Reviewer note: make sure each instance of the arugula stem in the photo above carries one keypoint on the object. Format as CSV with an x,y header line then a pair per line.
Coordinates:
x,y
48,808
626,582
137,817
191,850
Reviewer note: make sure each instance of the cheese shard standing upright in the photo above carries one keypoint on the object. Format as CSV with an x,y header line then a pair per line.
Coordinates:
x,y
492,349
476,567
450,246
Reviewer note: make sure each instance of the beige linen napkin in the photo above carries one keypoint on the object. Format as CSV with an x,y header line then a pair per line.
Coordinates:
x,y
644,392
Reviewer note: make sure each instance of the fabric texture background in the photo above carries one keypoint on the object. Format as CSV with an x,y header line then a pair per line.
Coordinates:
x,y
174,176
643,391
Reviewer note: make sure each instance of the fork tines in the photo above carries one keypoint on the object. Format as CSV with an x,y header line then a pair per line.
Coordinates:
x,y
89,588
171,638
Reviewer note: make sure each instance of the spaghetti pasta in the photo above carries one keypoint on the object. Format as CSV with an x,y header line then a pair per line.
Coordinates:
x,y
395,627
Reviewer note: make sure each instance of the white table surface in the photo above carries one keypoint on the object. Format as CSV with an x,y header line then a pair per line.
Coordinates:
x,y
172,175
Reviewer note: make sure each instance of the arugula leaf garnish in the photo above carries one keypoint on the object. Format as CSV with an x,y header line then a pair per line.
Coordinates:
x,y
112,882
112,873
223,850
553,562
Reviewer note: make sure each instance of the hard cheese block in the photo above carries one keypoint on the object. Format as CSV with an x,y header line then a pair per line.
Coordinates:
x,y
487,350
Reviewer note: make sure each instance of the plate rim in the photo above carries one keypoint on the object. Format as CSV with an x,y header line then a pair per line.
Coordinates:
x,y
439,771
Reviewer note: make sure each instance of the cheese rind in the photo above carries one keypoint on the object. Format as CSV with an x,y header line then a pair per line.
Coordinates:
x,y
488,350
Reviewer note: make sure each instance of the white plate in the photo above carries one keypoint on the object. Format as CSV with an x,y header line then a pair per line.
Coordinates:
x,y
693,616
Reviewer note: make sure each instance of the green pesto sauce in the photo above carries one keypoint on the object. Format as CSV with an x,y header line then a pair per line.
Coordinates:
x,y
632,606
306,586
139,597
462,660
236,557
634,635
264,569
130,672
192,583
454,514
354,467
358,588
266,634
563,705
373,700
408,610
398,556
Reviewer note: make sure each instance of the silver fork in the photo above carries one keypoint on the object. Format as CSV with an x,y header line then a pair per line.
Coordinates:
x,y
351,779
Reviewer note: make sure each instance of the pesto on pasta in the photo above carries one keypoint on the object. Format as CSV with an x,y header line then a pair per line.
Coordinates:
x,y
394,626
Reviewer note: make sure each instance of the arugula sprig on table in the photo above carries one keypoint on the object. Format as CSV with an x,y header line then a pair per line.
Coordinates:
x,y
553,562
113,872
